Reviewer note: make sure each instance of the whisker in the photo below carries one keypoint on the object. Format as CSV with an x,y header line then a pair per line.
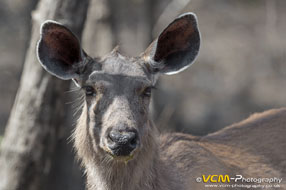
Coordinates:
x,y
76,100
70,139
73,90
78,109
78,103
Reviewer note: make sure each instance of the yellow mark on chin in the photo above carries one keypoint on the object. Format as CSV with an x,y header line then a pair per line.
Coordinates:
x,y
125,159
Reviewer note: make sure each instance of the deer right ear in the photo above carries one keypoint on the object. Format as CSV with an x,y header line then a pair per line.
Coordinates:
x,y
59,51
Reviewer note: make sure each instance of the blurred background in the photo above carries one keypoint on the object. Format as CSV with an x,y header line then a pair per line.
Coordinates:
x,y
241,67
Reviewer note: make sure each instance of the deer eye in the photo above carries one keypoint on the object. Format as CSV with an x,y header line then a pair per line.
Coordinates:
x,y
89,91
147,92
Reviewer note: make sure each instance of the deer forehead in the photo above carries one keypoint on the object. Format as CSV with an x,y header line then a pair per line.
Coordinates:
x,y
120,69
120,65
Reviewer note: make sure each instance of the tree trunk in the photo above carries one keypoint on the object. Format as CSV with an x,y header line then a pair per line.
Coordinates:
x,y
15,19
98,38
131,23
38,113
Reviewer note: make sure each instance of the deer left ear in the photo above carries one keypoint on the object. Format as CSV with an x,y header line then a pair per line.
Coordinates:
x,y
176,47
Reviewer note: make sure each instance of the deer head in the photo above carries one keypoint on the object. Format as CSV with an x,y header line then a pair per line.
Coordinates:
x,y
114,122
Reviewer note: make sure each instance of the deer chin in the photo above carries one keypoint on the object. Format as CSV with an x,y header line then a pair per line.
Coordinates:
x,y
124,159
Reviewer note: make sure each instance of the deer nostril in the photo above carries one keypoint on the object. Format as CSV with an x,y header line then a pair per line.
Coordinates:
x,y
133,141
109,139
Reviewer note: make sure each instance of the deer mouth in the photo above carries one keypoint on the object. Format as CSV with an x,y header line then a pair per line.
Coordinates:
x,y
120,158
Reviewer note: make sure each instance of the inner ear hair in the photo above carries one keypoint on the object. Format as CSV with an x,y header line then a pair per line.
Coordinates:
x,y
176,47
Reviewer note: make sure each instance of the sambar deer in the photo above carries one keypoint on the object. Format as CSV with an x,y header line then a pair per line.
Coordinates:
x,y
116,141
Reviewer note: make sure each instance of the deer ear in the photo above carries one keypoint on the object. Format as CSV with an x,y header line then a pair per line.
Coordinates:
x,y
176,47
59,51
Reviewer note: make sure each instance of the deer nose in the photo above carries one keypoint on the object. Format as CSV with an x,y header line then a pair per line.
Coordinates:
x,y
122,143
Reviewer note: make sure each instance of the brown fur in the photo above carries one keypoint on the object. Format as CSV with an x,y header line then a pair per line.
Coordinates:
x,y
255,147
